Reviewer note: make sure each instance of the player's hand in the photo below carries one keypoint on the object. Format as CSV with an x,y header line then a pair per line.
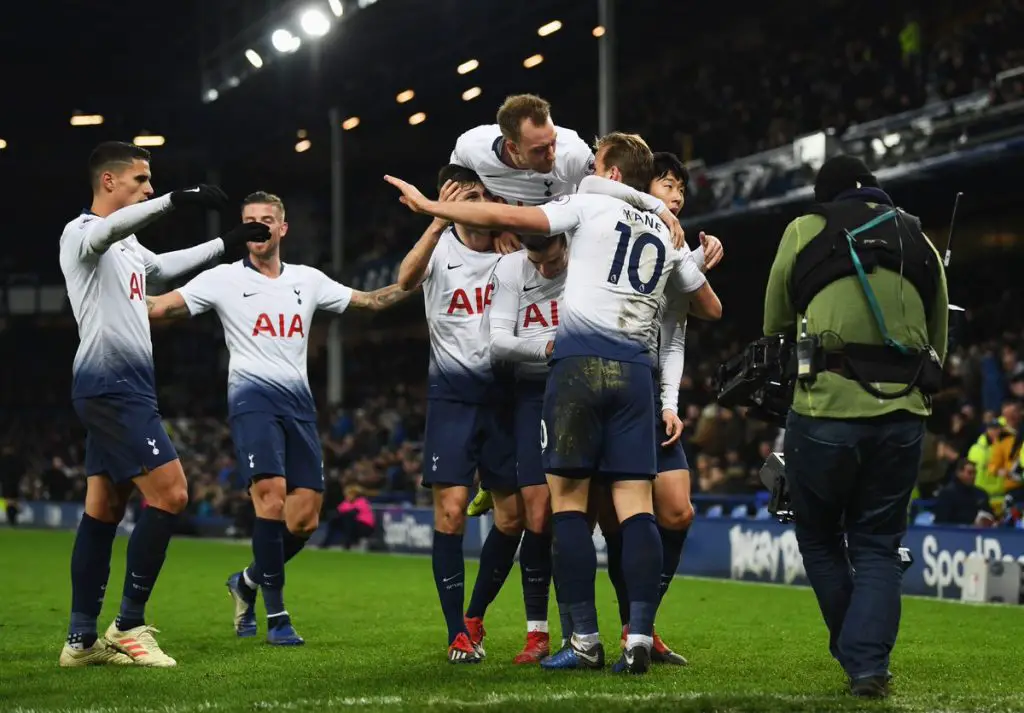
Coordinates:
x,y
678,235
201,196
245,233
506,243
411,196
673,426
713,250
549,348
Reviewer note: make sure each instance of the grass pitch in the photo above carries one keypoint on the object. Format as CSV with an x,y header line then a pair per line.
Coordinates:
x,y
376,641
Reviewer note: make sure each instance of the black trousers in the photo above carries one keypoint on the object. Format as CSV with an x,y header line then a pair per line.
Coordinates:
x,y
850,483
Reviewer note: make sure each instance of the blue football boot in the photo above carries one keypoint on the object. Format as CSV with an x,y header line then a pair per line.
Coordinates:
x,y
245,605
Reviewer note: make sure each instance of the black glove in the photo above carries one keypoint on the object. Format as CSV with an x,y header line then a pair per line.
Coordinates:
x,y
245,233
201,196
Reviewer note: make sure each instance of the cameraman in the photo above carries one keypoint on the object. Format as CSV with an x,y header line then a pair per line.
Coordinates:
x,y
871,335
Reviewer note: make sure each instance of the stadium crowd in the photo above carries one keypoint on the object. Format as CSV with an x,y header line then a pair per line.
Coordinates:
x,y
373,446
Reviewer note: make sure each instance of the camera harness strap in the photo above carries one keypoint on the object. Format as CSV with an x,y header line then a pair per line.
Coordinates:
x,y
876,311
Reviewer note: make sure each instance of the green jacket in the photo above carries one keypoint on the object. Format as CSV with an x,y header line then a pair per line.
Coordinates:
x,y
840,314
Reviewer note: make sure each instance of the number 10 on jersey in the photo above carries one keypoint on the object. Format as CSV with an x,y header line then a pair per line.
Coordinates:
x,y
635,254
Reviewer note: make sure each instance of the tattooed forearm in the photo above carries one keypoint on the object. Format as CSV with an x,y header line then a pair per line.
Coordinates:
x,y
386,297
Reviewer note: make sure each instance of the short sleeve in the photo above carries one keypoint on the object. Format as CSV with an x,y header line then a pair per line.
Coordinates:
x,y
203,291
579,159
332,296
563,214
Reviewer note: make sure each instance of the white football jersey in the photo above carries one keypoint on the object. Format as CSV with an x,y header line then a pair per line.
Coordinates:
x,y
674,305
266,327
523,295
108,298
619,262
457,290
480,149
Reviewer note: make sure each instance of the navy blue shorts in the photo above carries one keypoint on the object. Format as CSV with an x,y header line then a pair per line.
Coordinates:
x,y
270,445
671,458
529,412
125,436
462,438
598,419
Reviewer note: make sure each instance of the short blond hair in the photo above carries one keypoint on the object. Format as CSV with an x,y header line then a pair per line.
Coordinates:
x,y
264,198
631,155
518,107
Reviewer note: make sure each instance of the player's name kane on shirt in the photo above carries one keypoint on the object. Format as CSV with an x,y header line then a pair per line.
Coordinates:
x,y
480,149
266,327
107,290
524,315
619,262
457,290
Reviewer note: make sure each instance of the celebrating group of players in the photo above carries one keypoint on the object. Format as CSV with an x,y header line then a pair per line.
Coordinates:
x,y
556,284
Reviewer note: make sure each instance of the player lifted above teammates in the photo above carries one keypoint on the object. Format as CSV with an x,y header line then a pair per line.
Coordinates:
x,y
113,390
524,159
469,427
266,308
666,341
599,399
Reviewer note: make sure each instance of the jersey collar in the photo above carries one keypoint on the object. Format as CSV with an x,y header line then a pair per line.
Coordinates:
x,y
248,263
868,194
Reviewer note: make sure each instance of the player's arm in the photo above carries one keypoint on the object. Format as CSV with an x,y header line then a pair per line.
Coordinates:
x,y
197,296
779,312
167,306
415,266
380,299
671,358
689,280
167,266
637,199
503,318
493,216
98,234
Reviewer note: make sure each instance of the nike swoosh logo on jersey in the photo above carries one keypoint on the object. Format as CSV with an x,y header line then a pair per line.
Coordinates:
x,y
452,267
531,287
249,294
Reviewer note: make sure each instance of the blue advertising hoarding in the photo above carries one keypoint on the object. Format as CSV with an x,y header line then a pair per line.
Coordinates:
x,y
718,547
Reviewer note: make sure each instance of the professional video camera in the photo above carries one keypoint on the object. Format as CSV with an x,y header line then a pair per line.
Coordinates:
x,y
761,378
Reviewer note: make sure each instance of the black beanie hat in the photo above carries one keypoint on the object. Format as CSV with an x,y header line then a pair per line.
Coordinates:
x,y
842,173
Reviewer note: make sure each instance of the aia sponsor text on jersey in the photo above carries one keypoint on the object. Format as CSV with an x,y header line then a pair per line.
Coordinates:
x,y
535,315
279,325
470,301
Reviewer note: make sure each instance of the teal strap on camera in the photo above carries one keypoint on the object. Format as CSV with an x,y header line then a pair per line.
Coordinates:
x,y
851,236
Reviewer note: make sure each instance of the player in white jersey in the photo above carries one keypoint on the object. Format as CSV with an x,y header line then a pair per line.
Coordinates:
x,y
599,399
667,340
523,319
266,308
113,391
469,412
524,159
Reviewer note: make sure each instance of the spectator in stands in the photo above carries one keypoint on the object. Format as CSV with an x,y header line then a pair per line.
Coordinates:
x,y
983,454
961,502
354,521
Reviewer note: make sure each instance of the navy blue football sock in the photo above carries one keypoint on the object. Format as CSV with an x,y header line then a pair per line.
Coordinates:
x,y
147,549
641,566
564,617
535,565
672,542
613,540
450,577
496,560
575,561
293,544
90,569
268,558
